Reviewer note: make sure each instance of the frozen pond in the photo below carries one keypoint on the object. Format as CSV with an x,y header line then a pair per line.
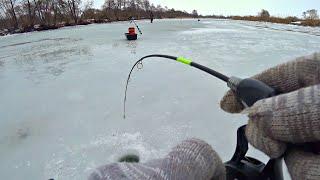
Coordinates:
x,y
61,91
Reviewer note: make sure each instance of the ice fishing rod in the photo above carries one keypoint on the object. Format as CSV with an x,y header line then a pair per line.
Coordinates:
x,y
247,90
132,20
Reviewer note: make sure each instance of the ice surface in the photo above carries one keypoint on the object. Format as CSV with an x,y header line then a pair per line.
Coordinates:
x,y
61,91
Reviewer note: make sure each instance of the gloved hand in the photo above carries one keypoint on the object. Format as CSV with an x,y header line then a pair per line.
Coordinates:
x,y
290,118
192,159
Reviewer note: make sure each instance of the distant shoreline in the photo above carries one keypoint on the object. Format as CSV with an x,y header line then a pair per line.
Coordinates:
x,y
39,28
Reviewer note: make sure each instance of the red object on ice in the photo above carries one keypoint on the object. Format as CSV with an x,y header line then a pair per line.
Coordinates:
x,y
131,35
132,30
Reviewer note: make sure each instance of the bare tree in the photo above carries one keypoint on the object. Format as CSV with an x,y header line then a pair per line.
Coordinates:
x,y
152,7
311,14
117,9
42,9
30,12
146,5
109,6
138,4
3,18
88,5
74,9
264,14
132,4
159,8
3,12
89,12
9,7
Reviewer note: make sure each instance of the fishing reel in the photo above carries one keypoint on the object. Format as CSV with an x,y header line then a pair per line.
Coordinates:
x,y
242,167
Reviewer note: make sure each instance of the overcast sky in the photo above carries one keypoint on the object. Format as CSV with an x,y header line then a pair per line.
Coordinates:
x,y
238,7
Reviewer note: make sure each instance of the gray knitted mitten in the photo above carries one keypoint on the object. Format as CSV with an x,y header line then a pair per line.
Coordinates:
x,y
292,117
192,159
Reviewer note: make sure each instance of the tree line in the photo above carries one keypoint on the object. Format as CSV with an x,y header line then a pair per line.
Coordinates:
x,y
15,14
29,15
309,18
118,10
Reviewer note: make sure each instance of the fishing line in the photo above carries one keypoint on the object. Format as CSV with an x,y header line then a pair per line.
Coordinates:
x,y
132,20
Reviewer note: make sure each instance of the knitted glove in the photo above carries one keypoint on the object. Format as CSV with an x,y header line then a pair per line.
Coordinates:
x,y
292,117
192,159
